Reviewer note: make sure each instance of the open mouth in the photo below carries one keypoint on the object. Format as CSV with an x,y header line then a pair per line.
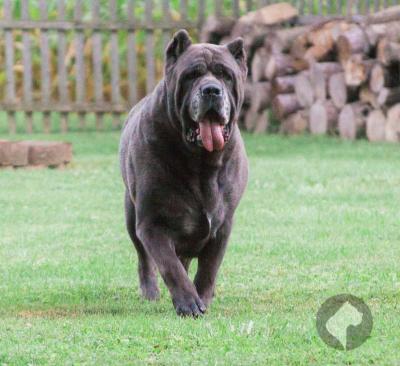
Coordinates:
x,y
211,132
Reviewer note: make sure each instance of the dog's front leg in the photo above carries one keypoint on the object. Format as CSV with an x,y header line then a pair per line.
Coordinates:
x,y
184,295
210,260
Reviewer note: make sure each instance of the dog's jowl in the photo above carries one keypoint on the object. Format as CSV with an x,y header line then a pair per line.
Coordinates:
x,y
185,169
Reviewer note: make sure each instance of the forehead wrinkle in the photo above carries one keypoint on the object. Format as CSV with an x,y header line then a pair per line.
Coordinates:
x,y
208,56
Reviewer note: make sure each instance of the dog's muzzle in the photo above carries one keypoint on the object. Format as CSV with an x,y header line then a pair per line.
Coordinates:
x,y
210,109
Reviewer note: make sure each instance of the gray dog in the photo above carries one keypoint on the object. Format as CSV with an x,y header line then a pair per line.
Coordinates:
x,y
185,169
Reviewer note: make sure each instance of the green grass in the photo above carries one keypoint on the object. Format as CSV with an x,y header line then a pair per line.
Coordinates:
x,y
320,217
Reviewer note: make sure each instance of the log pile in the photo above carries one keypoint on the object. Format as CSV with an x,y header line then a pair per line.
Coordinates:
x,y
34,154
338,76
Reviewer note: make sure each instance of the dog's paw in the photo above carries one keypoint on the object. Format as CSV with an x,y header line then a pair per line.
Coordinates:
x,y
190,306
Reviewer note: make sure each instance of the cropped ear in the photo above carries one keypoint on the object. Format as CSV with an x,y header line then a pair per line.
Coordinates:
x,y
178,44
236,48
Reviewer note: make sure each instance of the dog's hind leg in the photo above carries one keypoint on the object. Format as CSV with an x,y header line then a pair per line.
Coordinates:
x,y
146,267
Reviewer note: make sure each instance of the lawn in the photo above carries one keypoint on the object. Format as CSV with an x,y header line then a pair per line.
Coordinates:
x,y
320,217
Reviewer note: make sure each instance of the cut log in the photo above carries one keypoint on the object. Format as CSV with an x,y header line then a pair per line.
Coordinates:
x,y
260,59
323,118
318,82
260,100
318,53
304,90
216,28
338,89
376,126
368,96
392,129
353,41
254,25
389,96
281,64
387,52
262,123
285,104
318,120
379,78
283,84
296,123
357,70
288,36
352,120
270,15
389,30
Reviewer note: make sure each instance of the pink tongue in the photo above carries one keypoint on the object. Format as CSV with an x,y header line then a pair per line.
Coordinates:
x,y
211,135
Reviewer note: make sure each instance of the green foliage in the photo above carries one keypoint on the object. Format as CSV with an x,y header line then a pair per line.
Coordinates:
x,y
320,217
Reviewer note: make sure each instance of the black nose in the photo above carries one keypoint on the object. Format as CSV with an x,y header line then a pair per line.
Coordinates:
x,y
211,90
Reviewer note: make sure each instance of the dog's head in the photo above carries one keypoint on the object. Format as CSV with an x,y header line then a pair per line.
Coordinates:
x,y
205,85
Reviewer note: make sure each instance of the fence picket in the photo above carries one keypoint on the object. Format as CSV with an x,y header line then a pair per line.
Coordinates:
x,y
45,66
249,5
150,65
115,73
184,10
97,63
27,64
80,87
9,56
236,8
131,55
61,68
218,8
167,19
201,13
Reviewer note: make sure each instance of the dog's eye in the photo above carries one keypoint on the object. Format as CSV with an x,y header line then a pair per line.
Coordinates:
x,y
221,73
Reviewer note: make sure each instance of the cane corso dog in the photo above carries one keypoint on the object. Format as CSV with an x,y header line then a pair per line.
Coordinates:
x,y
185,169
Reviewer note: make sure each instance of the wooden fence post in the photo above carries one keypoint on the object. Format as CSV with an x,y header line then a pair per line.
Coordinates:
x,y
97,56
115,73
80,82
61,67
45,67
9,55
150,64
131,55
27,64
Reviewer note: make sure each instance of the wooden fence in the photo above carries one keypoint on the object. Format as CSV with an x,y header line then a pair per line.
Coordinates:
x,y
63,73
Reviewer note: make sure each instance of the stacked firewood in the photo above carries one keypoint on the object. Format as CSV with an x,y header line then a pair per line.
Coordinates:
x,y
333,75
